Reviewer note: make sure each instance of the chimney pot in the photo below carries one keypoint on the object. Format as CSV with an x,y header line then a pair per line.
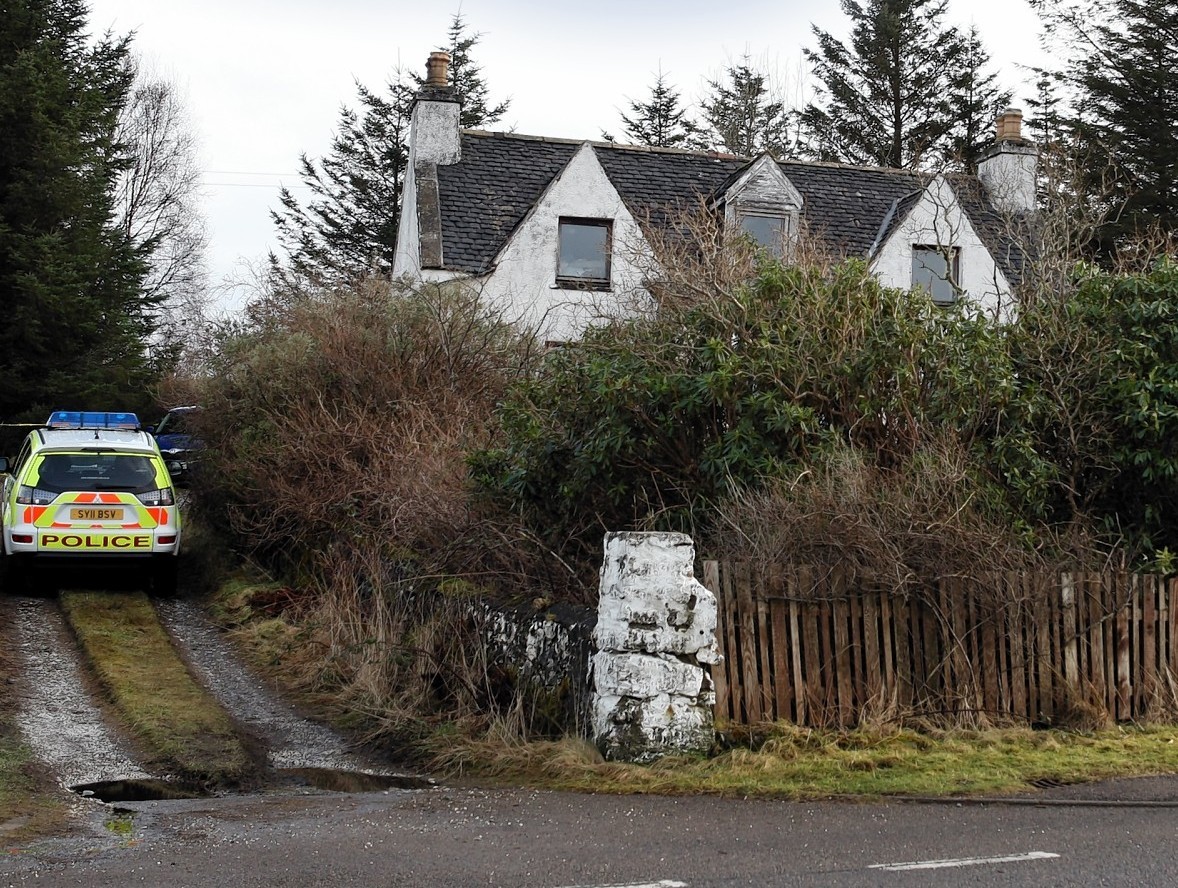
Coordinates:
x,y
437,69
1010,125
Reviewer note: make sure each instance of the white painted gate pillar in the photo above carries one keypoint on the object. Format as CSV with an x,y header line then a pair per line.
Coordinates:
x,y
652,692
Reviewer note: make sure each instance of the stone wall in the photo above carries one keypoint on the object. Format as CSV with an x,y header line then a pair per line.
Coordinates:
x,y
544,658
634,676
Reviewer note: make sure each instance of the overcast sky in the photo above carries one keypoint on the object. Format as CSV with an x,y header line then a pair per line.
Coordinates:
x,y
264,79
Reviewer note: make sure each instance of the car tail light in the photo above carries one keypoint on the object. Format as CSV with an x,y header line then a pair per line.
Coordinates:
x,y
161,497
22,537
166,540
34,496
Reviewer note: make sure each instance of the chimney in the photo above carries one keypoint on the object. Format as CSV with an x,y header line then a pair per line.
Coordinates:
x,y
1010,125
434,126
435,140
437,69
1008,167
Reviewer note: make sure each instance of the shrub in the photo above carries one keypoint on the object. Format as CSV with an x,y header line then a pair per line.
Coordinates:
x,y
653,422
342,418
1094,428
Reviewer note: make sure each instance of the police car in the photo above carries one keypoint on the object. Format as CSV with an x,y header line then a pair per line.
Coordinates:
x,y
89,486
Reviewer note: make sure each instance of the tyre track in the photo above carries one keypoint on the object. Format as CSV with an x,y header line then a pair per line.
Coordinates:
x,y
292,740
60,721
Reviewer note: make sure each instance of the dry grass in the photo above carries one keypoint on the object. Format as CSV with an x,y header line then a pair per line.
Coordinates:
x,y
367,650
923,518
178,724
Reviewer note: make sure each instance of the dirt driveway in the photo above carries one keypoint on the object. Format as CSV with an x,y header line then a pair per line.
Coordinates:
x,y
53,702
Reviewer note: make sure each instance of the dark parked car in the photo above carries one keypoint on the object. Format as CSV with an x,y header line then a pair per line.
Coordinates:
x,y
179,446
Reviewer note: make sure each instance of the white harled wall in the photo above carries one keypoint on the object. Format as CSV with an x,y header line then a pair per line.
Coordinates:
x,y
524,279
938,219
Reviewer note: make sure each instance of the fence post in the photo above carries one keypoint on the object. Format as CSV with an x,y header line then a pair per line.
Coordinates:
x,y
1071,660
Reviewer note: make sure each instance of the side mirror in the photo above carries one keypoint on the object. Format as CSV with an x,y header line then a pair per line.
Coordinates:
x,y
149,429
3,465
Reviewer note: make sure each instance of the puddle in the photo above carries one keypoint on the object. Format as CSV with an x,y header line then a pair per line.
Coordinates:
x,y
326,779
333,780
147,790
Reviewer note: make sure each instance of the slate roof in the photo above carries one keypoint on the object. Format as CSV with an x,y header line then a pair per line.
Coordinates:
x,y
1007,238
844,205
489,192
486,195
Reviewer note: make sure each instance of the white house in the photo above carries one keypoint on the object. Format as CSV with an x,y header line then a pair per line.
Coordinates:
x,y
550,228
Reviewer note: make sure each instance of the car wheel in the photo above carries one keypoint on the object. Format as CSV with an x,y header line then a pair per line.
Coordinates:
x,y
165,575
15,574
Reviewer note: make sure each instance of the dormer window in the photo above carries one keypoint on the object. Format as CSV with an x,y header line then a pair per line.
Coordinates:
x,y
583,259
937,270
767,231
764,206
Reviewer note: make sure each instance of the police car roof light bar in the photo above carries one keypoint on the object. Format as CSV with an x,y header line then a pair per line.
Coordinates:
x,y
91,419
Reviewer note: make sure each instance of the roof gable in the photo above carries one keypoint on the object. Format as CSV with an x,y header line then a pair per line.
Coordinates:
x,y
488,193
762,183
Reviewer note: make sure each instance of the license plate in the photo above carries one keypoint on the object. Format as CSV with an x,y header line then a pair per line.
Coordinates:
x,y
96,514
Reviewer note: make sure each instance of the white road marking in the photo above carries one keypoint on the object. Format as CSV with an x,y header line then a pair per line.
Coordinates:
x,y
665,883
963,861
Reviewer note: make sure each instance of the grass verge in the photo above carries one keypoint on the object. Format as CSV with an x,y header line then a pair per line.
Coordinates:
x,y
179,726
30,803
785,761
798,763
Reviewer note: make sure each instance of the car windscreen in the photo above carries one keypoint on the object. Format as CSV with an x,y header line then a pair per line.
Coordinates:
x,y
175,423
59,472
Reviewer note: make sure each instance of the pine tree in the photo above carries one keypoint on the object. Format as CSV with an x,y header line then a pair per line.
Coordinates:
x,y
1046,117
975,100
660,122
348,229
892,97
1125,76
744,116
76,320
466,77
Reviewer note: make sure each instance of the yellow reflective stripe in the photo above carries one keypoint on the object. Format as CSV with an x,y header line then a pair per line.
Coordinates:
x,y
129,501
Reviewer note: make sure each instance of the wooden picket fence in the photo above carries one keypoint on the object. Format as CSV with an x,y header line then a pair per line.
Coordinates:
x,y
810,648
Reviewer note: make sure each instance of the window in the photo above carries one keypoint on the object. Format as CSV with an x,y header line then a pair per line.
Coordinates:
x,y
766,231
584,253
937,271
59,472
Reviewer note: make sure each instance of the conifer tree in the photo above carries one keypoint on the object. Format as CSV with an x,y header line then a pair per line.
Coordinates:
x,y
1123,71
661,121
743,115
349,226
975,99
466,78
348,229
892,96
76,320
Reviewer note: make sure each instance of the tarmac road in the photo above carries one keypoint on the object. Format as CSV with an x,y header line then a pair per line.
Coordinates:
x,y
1121,833
1116,833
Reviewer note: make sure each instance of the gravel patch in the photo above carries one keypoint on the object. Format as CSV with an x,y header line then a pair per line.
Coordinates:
x,y
293,741
61,723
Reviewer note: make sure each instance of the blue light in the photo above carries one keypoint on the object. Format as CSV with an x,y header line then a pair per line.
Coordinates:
x,y
91,419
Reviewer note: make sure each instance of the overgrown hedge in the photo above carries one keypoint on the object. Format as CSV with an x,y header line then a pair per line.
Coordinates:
x,y
810,397
1066,414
